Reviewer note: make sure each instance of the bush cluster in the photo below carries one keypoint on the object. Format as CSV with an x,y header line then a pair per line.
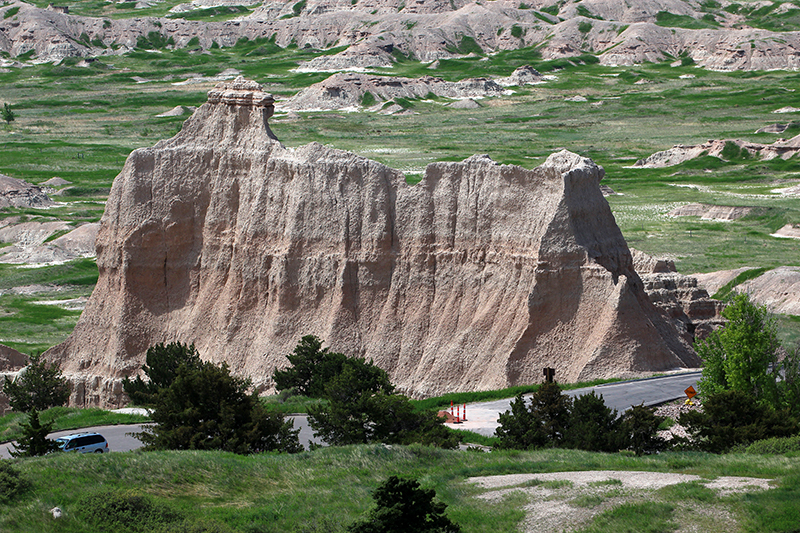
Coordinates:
x,y
12,484
554,420
361,405
200,406
131,512
733,418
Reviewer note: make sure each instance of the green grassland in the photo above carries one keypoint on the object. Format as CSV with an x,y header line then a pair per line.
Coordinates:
x,y
326,489
79,123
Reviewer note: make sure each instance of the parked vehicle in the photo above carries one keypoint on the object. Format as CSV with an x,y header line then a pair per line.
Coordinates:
x,y
83,443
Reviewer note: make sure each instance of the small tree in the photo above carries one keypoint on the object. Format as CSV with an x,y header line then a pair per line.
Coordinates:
x,y
593,426
543,424
37,387
205,408
34,439
402,506
312,368
743,354
162,362
12,483
639,428
361,409
7,114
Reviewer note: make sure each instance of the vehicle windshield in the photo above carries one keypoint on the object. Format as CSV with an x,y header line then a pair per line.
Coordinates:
x,y
61,443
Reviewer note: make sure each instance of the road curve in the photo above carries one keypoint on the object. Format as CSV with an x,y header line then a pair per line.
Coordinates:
x,y
482,416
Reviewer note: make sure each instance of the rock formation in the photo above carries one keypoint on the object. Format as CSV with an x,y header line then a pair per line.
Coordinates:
x,y
347,90
30,244
680,153
681,297
619,32
711,212
19,193
475,278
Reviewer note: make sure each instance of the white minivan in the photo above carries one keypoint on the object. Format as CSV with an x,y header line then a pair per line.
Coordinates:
x,y
83,443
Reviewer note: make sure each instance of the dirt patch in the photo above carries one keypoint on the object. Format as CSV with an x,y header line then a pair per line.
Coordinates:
x,y
565,501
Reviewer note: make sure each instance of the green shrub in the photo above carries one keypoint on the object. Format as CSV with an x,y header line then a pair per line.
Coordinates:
x,y
517,32
639,427
10,12
733,418
775,446
126,512
402,506
12,484
592,425
543,424
206,408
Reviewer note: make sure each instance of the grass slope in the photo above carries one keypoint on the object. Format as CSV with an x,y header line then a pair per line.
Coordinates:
x,y
327,489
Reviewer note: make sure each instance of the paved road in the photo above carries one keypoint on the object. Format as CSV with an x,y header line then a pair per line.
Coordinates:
x,y
482,417
120,440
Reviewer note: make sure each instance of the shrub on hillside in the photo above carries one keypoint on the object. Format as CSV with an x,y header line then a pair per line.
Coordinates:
x,y
126,511
12,484
402,506
639,430
360,411
313,367
732,418
775,446
593,426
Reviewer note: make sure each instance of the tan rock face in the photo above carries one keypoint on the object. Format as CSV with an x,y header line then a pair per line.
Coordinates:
x,y
475,278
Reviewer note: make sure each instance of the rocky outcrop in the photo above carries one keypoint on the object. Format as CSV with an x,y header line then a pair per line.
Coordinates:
x,y
623,32
711,212
778,289
34,242
347,90
782,148
19,193
475,278
680,297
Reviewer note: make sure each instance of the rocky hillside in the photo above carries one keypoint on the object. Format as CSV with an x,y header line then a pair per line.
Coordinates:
x,y
475,278
716,35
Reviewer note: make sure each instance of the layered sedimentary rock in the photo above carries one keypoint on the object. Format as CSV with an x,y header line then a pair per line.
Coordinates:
x,y
618,32
682,298
475,278
19,193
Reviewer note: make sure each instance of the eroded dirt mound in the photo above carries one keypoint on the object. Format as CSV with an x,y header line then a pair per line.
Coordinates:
x,y
778,289
475,278
32,244
19,193
782,148
711,212
348,90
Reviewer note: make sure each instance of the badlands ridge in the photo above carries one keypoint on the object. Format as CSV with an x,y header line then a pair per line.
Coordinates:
x,y
475,278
